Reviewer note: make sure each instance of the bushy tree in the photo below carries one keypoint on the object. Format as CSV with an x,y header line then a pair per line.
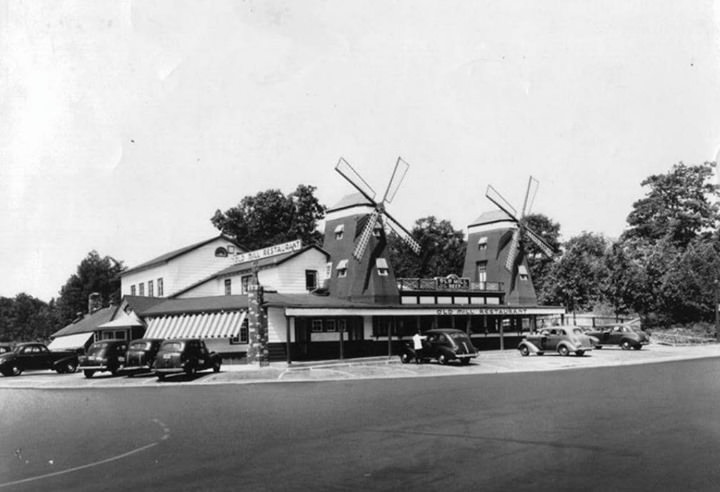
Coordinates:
x,y
539,264
270,217
442,253
25,318
94,274
576,279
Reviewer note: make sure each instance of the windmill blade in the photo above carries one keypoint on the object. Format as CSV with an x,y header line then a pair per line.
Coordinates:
x,y
513,251
361,246
494,196
353,177
401,168
540,242
403,233
530,194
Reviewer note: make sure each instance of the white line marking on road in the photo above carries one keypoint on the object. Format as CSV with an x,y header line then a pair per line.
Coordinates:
x,y
165,436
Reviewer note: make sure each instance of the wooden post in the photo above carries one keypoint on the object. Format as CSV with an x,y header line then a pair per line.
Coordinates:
x,y
502,334
342,335
257,323
288,346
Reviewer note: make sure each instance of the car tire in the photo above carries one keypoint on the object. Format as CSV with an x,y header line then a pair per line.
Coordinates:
x,y
579,353
88,373
216,367
625,345
598,347
465,361
563,350
15,370
191,371
524,351
71,367
442,359
405,358
637,347
161,377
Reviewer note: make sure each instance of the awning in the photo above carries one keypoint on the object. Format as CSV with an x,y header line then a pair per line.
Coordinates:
x,y
75,341
204,325
126,321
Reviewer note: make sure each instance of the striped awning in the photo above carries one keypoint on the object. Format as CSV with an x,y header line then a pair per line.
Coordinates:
x,y
202,325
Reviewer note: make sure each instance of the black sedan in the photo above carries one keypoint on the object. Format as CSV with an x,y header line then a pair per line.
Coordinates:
x,y
625,336
442,344
140,356
106,355
185,355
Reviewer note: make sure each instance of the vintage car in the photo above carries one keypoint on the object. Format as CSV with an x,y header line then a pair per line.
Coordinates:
x,y
185,355
140,356
36,356
5,347
442,344
104,356
563,339
625,336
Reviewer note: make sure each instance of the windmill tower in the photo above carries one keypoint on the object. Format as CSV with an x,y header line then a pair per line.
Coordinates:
x,y
495,250
356,239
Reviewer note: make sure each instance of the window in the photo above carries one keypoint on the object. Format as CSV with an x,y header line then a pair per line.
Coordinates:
x,y
160,287
244,334
481,269
151,288
244,283
231,249
132,290
382,267
317,325
228,286
342,268
330,325
311,278
377,231
522,270
221,252
482,243
141,289
339,231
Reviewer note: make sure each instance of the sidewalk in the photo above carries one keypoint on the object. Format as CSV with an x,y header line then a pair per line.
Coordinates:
x,y
487,362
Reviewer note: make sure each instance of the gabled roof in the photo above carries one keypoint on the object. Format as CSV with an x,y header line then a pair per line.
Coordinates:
x,y
351,200
178,252
491,217
87,323
247,266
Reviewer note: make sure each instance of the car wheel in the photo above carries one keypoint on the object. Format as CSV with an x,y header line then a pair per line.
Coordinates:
x,y
598,347
465,361
563,350
579,353
625,345
71,367
405,357
216,367
161,377
541,353
15,370
637,347
88,373
442,359
524,351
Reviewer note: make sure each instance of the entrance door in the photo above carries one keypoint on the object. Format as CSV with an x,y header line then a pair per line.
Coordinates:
x,y
302,338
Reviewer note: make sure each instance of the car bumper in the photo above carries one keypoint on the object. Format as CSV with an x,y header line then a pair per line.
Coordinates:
x,y
141,368
100,367
466,356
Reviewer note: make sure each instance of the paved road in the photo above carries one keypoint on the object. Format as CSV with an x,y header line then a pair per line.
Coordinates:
x,y
635,427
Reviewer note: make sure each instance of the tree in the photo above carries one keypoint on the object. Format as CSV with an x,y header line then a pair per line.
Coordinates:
x,y
442,250
677,205
270,217
576,279
94,274
539,264
25,318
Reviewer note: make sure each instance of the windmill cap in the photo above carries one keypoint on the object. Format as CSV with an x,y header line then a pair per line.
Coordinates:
x,y
491,217
348,201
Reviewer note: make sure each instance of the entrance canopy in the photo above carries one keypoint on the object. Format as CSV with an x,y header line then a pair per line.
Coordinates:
x,y
70,342
202,325
127,321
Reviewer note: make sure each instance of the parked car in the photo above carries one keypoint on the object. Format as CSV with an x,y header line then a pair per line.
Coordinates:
x,y
4,347
140,356
104,356
185,355
442,344
625,336
36,356
563,339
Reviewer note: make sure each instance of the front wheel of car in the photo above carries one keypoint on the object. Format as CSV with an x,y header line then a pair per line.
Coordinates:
x,y
524,351
405,358
625,345
88,373
465,361
563,350
15,370
216,367
161,377
442,359
71,367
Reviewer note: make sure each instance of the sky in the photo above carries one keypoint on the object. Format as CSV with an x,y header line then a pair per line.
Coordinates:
x,y
124,125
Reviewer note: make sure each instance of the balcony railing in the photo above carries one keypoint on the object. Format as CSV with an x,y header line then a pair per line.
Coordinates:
x,y
442,284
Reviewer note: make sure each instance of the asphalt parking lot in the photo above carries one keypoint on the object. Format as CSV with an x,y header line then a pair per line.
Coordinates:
x,y
490,362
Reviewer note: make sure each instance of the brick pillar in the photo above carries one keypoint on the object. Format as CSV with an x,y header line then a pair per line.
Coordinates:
x,y
257,325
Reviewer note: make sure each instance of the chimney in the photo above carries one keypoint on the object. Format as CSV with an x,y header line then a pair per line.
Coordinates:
x,y
94,302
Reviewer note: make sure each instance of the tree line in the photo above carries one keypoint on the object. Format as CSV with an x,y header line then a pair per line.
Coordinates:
x,y
664,267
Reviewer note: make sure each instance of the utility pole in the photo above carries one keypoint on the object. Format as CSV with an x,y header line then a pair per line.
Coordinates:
x,y
257,323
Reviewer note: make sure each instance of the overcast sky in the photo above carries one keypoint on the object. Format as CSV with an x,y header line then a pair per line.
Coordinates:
x,y
125,125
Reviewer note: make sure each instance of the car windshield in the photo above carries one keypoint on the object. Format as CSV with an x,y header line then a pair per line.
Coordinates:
x,y
172,346
140,345
98,348
458,337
